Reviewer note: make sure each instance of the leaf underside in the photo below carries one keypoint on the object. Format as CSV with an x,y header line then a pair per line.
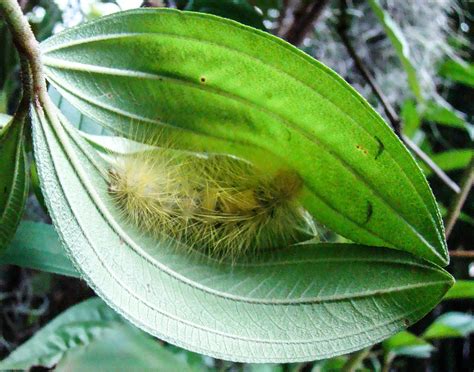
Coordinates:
x,y
293,305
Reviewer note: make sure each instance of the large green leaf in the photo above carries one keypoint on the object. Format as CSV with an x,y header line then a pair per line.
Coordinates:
x,y
91,336
36,246
13,177
215,85
294,304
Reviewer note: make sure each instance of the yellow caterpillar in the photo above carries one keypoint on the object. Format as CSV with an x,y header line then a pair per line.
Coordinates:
x,y
216,204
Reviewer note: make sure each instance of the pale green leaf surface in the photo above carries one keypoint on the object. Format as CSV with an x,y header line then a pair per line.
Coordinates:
x,y
400,45
13,178
300,303
407,344
270,104
453,324
462,289
36,246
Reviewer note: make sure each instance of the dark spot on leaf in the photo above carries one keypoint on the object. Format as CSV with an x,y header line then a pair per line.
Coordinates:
x,y
363,149
203,79
370,210
406,322
381,147
109,95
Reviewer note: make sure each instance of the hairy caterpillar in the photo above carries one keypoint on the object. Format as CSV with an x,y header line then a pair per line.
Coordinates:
x,y
217,204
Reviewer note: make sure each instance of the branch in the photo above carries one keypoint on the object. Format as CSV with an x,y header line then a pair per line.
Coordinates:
x,y
282,17
459,199
304,21
388,108
461,254
27,47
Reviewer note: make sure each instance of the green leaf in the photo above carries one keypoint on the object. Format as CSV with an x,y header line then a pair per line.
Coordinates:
x,y
401,46
459,71
462,289
453,324
13,177
330,365
410,117
238,10
407,344
272,105
37,246
122,348
290,305
450,160
446,115
91,336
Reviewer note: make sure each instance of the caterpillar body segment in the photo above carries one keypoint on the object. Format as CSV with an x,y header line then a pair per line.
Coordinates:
x,y
218,205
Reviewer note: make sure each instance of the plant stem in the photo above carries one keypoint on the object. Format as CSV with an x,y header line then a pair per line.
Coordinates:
x,y
462,254
27,47
355,360
459,200
304,21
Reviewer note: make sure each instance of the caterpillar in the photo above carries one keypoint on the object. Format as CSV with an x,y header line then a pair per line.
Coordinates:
x,y
217,204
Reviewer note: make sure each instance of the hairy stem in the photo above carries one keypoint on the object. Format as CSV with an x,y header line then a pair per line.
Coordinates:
x,y
34,87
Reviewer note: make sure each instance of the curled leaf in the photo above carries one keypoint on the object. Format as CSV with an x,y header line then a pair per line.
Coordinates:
x,y
214,85
301,303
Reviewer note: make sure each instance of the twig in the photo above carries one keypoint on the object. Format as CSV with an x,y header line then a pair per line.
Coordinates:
x,y
304,21
459,199
462,254
388,108
25,43
282,16
355,360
